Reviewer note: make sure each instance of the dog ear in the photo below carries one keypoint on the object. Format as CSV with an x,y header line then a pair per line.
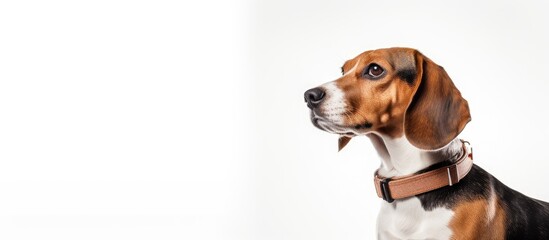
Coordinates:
x,y
342,142
437,112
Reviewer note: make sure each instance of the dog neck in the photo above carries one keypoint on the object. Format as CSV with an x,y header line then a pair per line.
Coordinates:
x,y
400,158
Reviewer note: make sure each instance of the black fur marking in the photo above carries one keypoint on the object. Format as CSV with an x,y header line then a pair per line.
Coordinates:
x,y
408,75
365,125
526,218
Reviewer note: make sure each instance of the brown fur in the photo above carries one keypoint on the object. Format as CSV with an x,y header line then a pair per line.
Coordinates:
x,y
471,221
439,114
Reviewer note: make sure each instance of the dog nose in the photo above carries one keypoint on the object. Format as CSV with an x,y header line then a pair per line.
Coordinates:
x,y
313,97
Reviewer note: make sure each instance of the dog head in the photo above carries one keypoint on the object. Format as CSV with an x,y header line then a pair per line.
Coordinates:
x,y
394,91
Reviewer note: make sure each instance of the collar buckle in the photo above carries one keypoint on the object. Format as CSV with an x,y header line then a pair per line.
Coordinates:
x,y
385,192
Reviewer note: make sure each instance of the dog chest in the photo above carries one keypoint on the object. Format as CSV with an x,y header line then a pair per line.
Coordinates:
x,y
407,219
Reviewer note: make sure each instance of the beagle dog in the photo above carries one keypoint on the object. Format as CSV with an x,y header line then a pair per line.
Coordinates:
x,y
412,112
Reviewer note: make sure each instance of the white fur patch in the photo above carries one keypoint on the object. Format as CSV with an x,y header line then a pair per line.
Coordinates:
x,y
491,211
404,158
334,106
408,220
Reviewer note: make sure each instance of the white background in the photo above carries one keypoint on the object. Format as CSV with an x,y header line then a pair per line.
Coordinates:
x,y
180,120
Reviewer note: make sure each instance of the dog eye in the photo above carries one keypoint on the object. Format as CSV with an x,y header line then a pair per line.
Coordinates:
x,y
373,71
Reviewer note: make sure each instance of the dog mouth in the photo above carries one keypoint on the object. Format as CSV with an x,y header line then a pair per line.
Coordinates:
x,y
331,127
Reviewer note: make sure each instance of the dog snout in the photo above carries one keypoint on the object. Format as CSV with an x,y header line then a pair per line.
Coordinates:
x,y
313,97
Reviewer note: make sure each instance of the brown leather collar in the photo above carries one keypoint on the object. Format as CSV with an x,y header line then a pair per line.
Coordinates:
x,y
402,187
